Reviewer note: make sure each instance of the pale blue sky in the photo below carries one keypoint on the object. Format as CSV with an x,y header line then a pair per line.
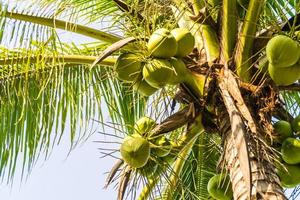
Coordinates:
x,y
77,177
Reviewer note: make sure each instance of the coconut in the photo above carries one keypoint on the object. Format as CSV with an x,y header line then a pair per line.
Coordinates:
x,y
282,51
179,71
157,72
144,125
289,175
162,44
286,75
143,88
185,41
219,187
163,147
135,151
296,124
127,67
290,151
149,169
283,129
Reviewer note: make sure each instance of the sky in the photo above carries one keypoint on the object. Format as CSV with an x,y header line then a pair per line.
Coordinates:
x,y
78,176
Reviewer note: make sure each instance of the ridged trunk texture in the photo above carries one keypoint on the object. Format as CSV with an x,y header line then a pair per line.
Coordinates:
x,y
265,182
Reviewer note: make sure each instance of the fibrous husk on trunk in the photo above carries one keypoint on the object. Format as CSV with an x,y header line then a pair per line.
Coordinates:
x,y
246,156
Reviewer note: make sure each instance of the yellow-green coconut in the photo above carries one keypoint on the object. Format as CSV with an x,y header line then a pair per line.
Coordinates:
x,y
185,41
219,187
163,147
127,67
143,88
283,129
296,124
135,151
180,72
284,75
162,44
144,125
289,175
157,72
290,151
282,51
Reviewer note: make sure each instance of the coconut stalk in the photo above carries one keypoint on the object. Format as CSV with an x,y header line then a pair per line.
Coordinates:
x,y
243,55
195,83
228,29
197,6
210,43
151,183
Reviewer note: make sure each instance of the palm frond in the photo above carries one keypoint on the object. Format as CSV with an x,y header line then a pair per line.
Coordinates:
x,y
21,23
199,167
46,93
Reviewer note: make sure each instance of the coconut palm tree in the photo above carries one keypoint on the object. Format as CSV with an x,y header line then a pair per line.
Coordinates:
x,y
218,120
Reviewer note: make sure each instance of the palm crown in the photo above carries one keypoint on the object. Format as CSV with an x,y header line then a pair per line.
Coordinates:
x,y
214,116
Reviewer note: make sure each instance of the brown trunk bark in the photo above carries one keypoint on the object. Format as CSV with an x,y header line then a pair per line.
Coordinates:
x,y
246,156
265,182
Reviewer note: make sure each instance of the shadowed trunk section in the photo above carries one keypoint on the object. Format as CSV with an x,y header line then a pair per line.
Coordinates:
x,y
246,156
265,182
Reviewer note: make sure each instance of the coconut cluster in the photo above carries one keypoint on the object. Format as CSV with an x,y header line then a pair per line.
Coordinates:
x,y
140,151
164,63
219,187
283,54
289,169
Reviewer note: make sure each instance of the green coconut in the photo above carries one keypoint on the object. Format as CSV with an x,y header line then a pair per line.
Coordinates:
x,y
219,187
157,72
144,125
289,175
135,151
162,44
149,169
282,51
296,124
179,71
163,147
127,67
185,41
284,76
283,129
290,151
143,88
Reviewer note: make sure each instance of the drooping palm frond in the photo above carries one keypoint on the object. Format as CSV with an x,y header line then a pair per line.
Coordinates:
x,y
49,88
23,22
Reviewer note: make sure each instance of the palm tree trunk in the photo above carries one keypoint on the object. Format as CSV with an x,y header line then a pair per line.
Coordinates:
x,y
246,156
265,182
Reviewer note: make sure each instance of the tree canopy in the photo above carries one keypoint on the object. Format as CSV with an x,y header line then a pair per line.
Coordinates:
x,y
47,84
